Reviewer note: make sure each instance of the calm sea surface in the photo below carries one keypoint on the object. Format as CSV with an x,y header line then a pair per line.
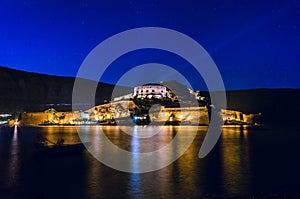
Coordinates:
x,y
243,164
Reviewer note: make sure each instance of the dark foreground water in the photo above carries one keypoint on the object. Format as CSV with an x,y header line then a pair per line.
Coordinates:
x,y
243,164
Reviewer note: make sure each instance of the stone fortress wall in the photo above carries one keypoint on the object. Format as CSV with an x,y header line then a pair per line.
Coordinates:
x,y
106,113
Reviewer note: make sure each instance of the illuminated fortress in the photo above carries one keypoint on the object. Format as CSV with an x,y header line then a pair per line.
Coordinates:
x,y
150,90
138,106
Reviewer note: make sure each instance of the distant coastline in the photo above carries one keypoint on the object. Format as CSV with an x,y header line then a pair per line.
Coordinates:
x,y
31,92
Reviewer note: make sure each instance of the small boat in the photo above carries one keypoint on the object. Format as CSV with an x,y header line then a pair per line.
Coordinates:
x,y
60,150
44,146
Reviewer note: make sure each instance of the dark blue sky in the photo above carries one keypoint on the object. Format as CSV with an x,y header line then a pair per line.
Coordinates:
x,y
255,44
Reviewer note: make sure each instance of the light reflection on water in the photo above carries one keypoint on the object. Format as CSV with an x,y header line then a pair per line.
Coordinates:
x,y
13,161
235,160
242,164
134,182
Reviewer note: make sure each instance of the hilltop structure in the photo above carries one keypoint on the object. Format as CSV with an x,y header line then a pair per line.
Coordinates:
x,y
157,91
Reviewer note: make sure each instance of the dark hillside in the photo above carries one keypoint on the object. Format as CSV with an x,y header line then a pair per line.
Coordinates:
x,y
24,91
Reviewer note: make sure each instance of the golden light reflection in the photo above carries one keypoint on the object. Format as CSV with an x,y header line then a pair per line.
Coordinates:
x,y
235,131
235,157
187,166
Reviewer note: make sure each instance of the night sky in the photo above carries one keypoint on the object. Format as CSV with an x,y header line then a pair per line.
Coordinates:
x,y
255,44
